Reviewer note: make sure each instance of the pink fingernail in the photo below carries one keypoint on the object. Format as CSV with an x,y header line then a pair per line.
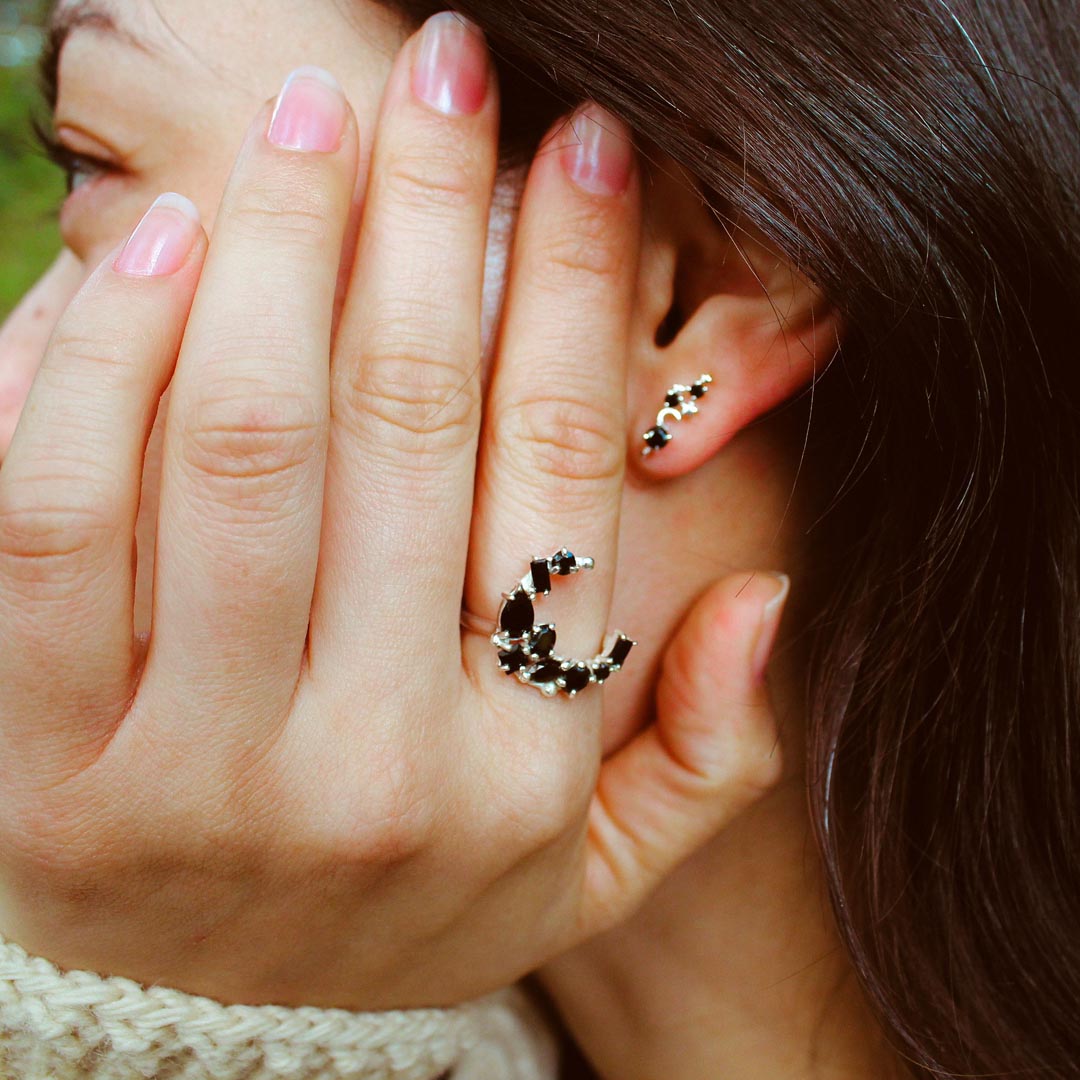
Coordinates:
x,y
770,624
162,241
310,114
451,72
600,152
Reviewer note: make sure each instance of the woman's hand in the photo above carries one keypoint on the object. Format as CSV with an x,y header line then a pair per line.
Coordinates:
x,y
310,787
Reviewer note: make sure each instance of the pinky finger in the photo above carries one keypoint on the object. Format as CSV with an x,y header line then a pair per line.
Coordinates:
x,y
712,752
70,488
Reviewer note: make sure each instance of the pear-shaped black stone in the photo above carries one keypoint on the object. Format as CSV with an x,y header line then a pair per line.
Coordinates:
x,y
517,614
658,438
699,389
544,642
577,678
621,651
512,661
564,563
547,672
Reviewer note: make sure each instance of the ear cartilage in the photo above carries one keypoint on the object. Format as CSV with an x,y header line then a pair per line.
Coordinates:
x,y
680,401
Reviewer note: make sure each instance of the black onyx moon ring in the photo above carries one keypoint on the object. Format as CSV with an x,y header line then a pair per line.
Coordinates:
x,y
680,401
527,649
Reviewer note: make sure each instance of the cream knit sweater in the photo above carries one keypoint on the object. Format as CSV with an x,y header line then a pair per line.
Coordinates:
x,y
57,1025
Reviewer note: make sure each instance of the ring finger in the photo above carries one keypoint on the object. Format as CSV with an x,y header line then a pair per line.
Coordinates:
x,y
553,449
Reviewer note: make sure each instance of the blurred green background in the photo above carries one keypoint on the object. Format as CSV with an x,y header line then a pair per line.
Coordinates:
x,y
31,188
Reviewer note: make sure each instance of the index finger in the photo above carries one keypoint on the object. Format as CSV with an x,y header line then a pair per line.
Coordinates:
x,y
245,444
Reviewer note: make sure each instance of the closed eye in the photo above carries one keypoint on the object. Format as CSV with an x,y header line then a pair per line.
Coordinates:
x,y
78,168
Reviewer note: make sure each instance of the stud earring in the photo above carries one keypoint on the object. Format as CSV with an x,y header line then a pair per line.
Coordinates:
x,y
680,401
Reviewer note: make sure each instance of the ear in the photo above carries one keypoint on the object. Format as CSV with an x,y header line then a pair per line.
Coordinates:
x,y
714,300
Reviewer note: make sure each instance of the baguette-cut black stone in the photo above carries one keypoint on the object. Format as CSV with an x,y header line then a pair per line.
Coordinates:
x,y
547,672
621,651
602,673
564,563
544,642
699,389
673,401
658,438
512,661
577,678
517,614
541,576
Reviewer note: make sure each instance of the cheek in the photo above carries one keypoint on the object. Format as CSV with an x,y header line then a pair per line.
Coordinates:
x,y
503,220
26,333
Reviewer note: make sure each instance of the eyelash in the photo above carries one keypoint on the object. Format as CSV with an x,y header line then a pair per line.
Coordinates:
x,y
73,165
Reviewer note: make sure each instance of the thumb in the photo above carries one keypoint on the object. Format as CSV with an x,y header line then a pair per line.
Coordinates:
x,y
711,752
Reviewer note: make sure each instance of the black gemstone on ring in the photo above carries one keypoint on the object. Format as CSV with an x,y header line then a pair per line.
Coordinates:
x,y
563,563
517,614
673,400
621,651
658,438
512,661
699,390
576,679
602,672
543,642
541,576
547,672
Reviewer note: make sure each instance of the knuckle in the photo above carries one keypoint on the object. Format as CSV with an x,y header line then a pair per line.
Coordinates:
x,y
438,179
547,812
282,213
249,446
381,827
82,359
53,847
535,805
43,541
572,438
419,394
585,250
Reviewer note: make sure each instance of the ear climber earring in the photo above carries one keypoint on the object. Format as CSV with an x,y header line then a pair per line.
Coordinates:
x,y
680,401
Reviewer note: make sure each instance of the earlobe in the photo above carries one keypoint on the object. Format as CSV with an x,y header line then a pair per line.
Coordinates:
x,y
727,332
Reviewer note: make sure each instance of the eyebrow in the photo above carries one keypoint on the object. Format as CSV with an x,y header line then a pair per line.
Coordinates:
x,y
67,17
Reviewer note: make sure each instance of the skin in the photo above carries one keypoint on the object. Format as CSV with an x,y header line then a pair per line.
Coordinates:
x,y
695,943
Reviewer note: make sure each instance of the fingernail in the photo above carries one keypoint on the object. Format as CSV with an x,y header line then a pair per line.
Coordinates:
x,y
600,152
451,72
770,623
310,113
162,241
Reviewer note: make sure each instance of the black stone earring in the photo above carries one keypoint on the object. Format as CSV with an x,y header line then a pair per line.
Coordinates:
x,y
680,401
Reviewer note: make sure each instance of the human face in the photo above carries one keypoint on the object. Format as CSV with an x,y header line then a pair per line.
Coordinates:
x,y
155,95
159,94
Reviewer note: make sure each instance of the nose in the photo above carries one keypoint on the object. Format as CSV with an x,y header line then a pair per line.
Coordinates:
x,y
25,334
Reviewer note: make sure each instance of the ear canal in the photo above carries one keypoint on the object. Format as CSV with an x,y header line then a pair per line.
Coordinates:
x,y
673,322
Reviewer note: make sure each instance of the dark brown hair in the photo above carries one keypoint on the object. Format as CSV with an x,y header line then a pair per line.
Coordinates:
x,y
919,162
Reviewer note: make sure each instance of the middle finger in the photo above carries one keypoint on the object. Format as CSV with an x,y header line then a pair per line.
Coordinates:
x,y
405,385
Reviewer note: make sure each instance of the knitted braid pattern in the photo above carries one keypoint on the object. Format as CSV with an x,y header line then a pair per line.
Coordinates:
x,y
57,1025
